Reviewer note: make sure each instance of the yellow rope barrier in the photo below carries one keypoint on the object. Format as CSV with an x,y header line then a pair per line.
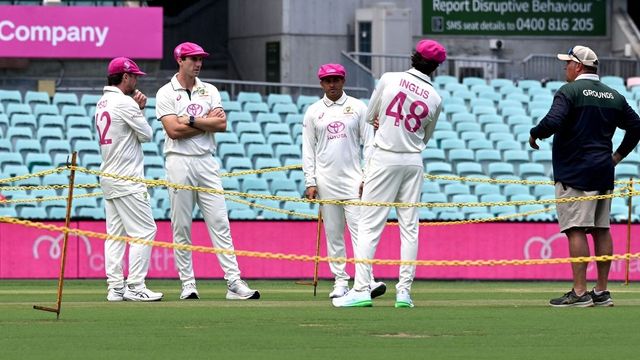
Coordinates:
x,y
294,257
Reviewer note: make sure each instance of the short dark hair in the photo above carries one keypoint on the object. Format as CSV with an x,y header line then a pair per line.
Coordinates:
x,y
423,65
590,69
115,79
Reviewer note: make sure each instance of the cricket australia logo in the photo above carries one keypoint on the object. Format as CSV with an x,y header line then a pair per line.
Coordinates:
x,y
336,130
544,245
194,109
102,104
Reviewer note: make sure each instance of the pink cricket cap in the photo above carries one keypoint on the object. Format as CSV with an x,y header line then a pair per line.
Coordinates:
x,y
124,65
432,50
189,49
331,70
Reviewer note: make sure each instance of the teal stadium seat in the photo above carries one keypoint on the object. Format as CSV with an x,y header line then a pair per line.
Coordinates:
x,y
235,118
72,110
273,99
256,107
252,138
61,99
255,151
283,109
52,121
230,106
266,118
88,100
82,122
303,102
244,97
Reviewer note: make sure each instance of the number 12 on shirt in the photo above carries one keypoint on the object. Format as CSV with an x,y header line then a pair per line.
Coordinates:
x,y
418,110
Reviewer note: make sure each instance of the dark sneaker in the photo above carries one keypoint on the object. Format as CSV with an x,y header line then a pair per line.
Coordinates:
x,y
571,299
604,299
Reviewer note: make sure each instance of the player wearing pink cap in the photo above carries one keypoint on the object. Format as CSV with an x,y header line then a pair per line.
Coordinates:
x,y
121,128
333,130
191,112
407,108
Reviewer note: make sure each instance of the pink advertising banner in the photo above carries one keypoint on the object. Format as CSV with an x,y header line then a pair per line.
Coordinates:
x,y
33,253
80,32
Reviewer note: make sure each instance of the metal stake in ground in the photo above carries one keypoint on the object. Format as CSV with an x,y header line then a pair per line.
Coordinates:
x,y
316,261
63,256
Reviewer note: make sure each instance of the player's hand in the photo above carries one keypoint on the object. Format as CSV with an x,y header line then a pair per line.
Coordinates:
x,y
376,124
217,113
360,190
532,143
311,192
140,98
616,158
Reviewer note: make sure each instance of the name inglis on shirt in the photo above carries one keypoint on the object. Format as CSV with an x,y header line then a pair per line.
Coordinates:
x,y
424,93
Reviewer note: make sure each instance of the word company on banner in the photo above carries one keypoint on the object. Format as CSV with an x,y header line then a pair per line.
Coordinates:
x,y
515,17
80,32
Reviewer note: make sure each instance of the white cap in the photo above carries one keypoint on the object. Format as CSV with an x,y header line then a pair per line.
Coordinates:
x,y
582,55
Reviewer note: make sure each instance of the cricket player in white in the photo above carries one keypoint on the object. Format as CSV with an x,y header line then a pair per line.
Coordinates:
x,y
191,112
407,108
121,128
334,128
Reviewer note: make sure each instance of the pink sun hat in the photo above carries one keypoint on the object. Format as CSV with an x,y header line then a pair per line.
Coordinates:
x,y
189,49
124,65
331,70
431,50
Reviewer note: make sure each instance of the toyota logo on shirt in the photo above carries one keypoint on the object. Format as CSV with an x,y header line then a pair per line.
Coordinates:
x,y
335,127
336,130
194,109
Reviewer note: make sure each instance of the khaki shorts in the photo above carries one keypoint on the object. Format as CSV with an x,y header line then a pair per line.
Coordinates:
x,y
582,214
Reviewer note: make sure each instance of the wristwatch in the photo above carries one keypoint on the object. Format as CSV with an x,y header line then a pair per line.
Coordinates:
x,y
192,120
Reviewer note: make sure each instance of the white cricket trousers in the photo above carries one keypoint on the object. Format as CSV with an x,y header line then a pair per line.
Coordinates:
x,y
129,215
202,171
391,177
335,217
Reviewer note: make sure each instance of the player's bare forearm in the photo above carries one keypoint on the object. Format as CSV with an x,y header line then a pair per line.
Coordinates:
x,y
215,121
177,127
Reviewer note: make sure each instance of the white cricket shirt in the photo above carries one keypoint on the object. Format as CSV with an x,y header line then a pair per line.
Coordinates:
x,y
121,128
407,107
331,137
173,99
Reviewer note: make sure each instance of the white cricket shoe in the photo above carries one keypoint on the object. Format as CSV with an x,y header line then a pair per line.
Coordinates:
x,y
377,289
141,293
354,298
239,290
403,299
189,291
115,294
338,291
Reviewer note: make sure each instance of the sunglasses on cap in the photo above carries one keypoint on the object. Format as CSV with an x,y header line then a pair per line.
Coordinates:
x,y
571,53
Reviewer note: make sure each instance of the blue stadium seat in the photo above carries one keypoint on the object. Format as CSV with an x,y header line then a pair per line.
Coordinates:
x,y
255,151
230,150
510,111
230,183
464,94
472,135
26,146
11,158
276,139
535,217
455,86
231,106
91,213
468,126
224,95
256,107
472,81
248,127
438,136
460,155
518,120
236,117
244,96
252,138
456,189
625,171
54,147
454,109
438,168
508,145
469,169
496,169
273,128
226,137
151,103
40,110
77,134
527,170
280,185
299,207
242,214
515,94
430,187
88,100
462,117
52,121
153,162
486,156
554,85
449,144
515,189
486,119
11,170
529,84
444,79
155,173
235,163
443,126
284,152
73,110
273,99
292,119
612,80
33,213
281,109
265,163
498,82
264,118
431,155
80,122
45,134
60,99
453,101
481,102
148,148
486,189
16,108
303,102
254,185
480,144
10,96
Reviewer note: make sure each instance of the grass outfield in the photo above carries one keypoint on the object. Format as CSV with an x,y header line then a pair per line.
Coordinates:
x,y
451,320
